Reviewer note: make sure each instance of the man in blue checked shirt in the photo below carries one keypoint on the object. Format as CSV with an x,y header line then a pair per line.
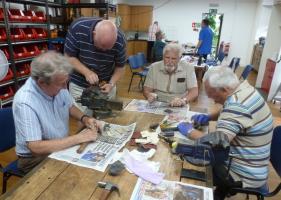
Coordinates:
x,y
41,110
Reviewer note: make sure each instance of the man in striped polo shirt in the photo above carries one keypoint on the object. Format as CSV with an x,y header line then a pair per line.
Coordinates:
x,y
97,50
247,121
41,110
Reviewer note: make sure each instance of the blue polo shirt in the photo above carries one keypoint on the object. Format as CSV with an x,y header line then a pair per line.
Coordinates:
x,y
79,43
206,36
38,116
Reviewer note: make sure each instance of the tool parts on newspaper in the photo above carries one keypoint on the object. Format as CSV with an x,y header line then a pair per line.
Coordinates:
x,y
93,98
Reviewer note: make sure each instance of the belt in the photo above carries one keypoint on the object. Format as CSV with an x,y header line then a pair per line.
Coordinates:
x,y
25,155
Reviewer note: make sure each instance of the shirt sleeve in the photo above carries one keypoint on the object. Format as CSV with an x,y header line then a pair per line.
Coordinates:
x,y
71,45
234,119
201,35
191,77
120,59
27,123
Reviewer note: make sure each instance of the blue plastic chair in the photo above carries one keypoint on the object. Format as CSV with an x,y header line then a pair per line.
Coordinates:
x,y
8,139
136,70
234,63
246,72
216,61
275,159
141,59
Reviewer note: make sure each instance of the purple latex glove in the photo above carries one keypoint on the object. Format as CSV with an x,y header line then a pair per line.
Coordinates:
x,y
185,128
142,170
201,119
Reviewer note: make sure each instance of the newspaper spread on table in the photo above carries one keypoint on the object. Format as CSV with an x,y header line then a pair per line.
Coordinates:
x,y
98,154
156,107
170,190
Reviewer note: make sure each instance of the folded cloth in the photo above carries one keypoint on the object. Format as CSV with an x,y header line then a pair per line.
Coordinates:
x,y
142,170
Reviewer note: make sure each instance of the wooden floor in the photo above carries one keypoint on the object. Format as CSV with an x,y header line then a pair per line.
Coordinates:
x,y
202,101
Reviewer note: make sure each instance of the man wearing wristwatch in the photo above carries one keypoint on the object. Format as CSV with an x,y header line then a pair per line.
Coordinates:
x,y
97,50
171,80
41,111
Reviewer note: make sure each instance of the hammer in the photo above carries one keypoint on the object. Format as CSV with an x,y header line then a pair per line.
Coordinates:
x,y
109,187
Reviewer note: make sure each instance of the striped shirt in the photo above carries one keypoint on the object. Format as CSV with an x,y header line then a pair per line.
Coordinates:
x,y
38,116
247,119
79,43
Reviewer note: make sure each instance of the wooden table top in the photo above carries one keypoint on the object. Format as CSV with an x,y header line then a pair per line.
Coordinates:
x,y
53,179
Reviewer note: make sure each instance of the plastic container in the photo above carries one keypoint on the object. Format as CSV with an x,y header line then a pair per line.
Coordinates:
x,y
8,77
32,50
30,14
6,92
3,35
41,33
43,47
1,14
29,33
6,52
17,34
41,17
16,15
23,69
20,52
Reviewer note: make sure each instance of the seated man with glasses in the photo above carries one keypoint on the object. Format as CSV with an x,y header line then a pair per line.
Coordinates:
x,y
41,109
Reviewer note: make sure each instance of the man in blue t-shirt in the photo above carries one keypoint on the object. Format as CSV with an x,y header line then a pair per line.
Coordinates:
x,y
204,45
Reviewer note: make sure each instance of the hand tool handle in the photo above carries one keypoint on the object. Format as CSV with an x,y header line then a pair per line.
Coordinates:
x,y
105,194
82,147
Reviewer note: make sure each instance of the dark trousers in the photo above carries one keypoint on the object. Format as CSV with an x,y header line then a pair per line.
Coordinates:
x,y
25,164
149,50
200,59
223,182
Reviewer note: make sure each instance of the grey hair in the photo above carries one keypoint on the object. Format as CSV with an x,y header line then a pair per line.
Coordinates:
x,y
220,77
48,64
175,47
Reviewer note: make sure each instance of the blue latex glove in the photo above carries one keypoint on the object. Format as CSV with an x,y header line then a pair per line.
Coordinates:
x,y
201,119
185,128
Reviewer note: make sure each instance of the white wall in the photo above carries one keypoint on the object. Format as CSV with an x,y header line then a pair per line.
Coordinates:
x,y
175,18
273,41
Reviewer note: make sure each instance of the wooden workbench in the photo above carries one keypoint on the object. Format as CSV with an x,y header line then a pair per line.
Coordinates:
x,y
54,179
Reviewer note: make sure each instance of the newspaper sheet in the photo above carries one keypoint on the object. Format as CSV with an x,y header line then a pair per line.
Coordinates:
x,y
156,107
170,190
98,154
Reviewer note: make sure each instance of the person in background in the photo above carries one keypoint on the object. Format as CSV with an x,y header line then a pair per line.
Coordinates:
x,y
97,50
41,110
204,45
158,47
171,80
247,122
153,29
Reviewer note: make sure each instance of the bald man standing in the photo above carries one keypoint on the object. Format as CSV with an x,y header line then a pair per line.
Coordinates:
x,y
97,50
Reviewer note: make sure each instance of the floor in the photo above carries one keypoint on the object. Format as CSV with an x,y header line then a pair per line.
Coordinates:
x,y
202,101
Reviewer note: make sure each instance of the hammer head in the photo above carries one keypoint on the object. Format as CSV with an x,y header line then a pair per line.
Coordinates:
x,y
109,186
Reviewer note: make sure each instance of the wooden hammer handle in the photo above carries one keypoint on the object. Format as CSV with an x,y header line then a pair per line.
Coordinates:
x,y
82,147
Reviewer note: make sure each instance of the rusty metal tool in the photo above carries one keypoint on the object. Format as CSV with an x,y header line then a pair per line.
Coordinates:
x,y
108,188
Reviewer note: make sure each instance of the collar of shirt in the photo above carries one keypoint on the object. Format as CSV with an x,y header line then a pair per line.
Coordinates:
x,y
92,29
240,87
162,68
40,91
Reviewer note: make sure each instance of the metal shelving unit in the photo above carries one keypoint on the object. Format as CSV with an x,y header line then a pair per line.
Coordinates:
x,y
106,7
12,44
